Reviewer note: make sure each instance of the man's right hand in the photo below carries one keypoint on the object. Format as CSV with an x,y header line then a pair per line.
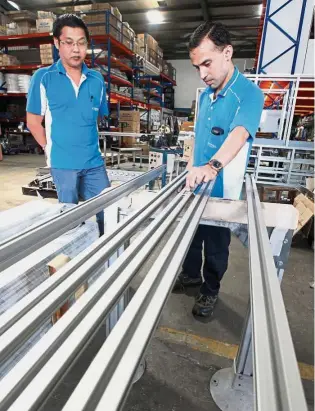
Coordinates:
x,y
198,175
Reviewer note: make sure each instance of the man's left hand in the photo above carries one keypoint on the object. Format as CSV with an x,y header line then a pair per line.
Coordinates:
x,y
198,175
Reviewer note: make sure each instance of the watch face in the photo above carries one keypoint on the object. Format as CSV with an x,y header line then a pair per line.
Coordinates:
x,y
216,164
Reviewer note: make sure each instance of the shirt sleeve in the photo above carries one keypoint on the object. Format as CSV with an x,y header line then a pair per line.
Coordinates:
x,y
249,112
36,98
103,111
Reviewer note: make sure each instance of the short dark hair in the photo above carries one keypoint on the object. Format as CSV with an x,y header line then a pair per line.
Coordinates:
x,y
69,20
216,32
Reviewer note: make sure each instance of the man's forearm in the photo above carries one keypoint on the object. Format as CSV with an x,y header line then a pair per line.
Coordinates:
x,y
232,145
38,133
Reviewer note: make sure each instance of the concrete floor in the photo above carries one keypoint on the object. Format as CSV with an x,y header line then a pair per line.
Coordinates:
x,y
185,353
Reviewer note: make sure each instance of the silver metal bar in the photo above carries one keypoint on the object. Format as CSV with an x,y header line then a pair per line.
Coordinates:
x,y
110,374
278,385
33,309
103,134
39,368
30,240
242,354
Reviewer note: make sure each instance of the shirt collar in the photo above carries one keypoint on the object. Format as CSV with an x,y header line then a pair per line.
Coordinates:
x,y
85,69
232,80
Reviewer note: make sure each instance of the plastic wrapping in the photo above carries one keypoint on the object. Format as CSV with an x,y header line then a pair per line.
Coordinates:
x,y
21,278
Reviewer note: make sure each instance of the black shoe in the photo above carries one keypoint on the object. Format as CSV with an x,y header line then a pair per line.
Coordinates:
x,y
183,280
204,305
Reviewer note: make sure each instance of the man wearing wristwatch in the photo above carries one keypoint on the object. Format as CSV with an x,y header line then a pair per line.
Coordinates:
x,y
228,118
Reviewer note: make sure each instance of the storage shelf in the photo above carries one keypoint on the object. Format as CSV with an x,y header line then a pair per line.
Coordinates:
x,y
13,94
304,161
273,171
167,78
26,39
23,67
149,81
119,81
152,93
116,47
115,98
146,106
275,159
115,63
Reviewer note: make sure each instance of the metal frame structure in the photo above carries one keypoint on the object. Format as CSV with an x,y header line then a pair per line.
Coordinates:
x,y
109,377
262,65
262,373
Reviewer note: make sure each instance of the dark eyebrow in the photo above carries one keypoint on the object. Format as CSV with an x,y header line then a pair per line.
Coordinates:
x,y
204,62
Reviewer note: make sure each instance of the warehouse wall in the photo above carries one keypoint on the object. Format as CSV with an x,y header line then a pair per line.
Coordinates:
x,y
188,81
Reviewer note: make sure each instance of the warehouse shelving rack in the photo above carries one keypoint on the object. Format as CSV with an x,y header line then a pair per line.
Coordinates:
x,y
108,51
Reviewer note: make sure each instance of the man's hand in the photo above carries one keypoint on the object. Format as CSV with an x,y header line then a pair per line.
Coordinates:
x,y
198,175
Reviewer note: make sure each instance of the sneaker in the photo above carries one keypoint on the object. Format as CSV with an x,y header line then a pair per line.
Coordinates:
x,y
183,280
204,305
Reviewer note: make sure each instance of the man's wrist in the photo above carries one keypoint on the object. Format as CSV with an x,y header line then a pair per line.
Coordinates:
x,y
215,165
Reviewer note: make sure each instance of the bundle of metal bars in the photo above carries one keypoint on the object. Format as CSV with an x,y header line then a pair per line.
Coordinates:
x,y
108,379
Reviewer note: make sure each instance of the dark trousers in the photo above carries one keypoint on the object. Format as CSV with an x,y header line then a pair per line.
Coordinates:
x,y
216,241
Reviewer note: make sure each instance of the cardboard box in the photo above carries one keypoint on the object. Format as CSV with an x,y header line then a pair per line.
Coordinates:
x,y
305,208
187,126
46,47
44,25
188,146
146,40
46,15
129,126
83,9
130,115
145,148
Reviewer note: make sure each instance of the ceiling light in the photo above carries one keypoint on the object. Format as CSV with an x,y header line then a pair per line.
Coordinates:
x,y
13,4
260,9
155,16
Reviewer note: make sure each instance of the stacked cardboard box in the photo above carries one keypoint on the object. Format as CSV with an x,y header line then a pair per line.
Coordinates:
x,y
96,19
168,69
149,47
8,60
160,58
128,36
46,53
22,27
45,21
21,22
129,121
4,20
305,208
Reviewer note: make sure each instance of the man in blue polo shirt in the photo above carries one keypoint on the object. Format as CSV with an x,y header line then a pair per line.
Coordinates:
x,y
228,118
70,97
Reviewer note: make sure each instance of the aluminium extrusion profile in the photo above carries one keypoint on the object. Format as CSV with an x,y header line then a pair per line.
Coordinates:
x,y
87,261
31,239
39,370
278,385
108,379
24,317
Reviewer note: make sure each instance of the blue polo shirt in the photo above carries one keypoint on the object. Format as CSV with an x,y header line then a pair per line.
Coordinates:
x,y
71,114
240,103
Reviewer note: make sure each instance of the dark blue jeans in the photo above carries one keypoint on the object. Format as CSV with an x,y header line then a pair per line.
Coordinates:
x,y
216,241
84,184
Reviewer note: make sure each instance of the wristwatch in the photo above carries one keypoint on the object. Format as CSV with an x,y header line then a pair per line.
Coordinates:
x,y
215,164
